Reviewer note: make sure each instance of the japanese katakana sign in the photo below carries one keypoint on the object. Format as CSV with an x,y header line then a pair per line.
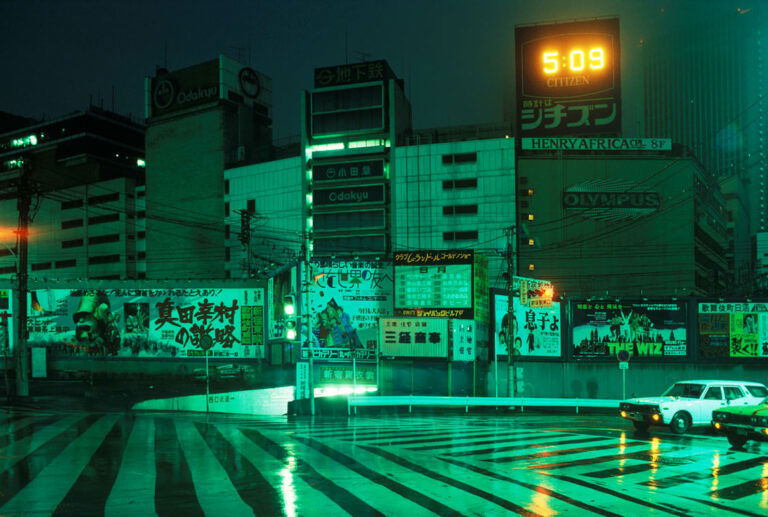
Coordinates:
x,y
353,73
149,323
568,80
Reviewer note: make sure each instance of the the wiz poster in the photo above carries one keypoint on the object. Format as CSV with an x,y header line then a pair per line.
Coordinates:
x,y
148,322
644,329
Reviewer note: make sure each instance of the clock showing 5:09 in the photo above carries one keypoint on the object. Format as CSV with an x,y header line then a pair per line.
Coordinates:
x,y
568,60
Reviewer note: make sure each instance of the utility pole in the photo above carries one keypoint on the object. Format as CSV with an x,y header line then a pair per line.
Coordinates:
x,y
23,202
511,270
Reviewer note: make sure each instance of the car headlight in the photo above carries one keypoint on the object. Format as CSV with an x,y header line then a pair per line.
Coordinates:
x,y
759,420
720,417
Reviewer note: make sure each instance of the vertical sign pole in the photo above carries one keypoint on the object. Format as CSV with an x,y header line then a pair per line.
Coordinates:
x,y
22,359
207,382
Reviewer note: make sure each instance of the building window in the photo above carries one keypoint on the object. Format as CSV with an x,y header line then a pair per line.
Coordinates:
x,y
531,267
465,183
226,209
61,264
75,203
102,239
104,259
226,231
7,270
227,254
140,194
74,243
4,252
251,206
226,186
141,214
141,235
72,223
460,210
460,236
142,255
106,198
99,219
449,159
41,266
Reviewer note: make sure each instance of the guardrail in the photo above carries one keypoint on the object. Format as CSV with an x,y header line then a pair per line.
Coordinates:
x,y
467,402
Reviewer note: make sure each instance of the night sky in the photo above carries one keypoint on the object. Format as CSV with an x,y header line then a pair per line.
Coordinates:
x,y
455,56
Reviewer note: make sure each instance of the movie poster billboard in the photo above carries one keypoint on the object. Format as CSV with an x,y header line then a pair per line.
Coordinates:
x,y
601,329
347,298
144,323
733,329
536,330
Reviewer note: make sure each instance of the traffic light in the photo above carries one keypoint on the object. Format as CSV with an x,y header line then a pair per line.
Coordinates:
x,y
289,308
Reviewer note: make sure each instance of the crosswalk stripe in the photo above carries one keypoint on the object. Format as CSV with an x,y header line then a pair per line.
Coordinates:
x,y
493,498
721,470
213,487
343,497
378,478
133,492
441,438
91,489
174,489
18,429
23,471
521,445
50,486
458,443
255,491
284,476
562,452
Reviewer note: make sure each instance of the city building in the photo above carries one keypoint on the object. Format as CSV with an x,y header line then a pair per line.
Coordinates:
x,y
85,179
200,120
621,224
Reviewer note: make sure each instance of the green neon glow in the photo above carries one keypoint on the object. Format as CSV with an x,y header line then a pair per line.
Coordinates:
x,y
25,141
309,223
309,199
327,147
14,164
140,162
330,390
386,170
368,143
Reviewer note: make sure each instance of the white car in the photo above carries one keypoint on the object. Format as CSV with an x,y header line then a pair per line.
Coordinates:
x,y
688,403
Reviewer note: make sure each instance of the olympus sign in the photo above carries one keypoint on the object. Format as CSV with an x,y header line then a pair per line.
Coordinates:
x,y
610,200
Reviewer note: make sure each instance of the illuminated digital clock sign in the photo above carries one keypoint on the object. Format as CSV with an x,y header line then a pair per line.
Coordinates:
x,y
568,80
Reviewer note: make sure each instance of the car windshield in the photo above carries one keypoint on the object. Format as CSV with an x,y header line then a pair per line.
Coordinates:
x,y
685,390
758,391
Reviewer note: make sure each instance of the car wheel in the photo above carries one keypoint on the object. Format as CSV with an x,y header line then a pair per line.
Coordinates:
x,y
640,426
736,440
680,422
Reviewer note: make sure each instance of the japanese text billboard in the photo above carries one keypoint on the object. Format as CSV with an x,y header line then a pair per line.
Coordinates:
x,y
347,297
436,284
601,329
535,330
568,78
414,337
733,329
148,322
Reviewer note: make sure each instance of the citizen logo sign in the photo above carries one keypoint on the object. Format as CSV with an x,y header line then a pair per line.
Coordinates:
x,y
348,196
610,200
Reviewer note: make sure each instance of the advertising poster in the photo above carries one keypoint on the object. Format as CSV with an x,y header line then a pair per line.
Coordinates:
x,y
435,284
733,329
463,338
347,298
601,329
414,337
535,330
135,323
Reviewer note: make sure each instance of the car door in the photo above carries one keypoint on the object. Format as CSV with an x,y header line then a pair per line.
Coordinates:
x,y
710,400
735,396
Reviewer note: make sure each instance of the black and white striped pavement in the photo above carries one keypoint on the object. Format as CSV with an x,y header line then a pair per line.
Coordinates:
x,y
168,464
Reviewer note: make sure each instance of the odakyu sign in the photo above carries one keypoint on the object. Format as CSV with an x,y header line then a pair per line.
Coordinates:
x,y
137,323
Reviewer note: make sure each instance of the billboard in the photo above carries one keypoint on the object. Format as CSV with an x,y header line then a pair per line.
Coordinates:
x,y
138,323
414,337
347,297
540,335
568,78
600,329
435,283
733,329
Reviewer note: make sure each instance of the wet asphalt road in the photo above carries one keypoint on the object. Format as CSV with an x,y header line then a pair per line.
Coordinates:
x,y
87,463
